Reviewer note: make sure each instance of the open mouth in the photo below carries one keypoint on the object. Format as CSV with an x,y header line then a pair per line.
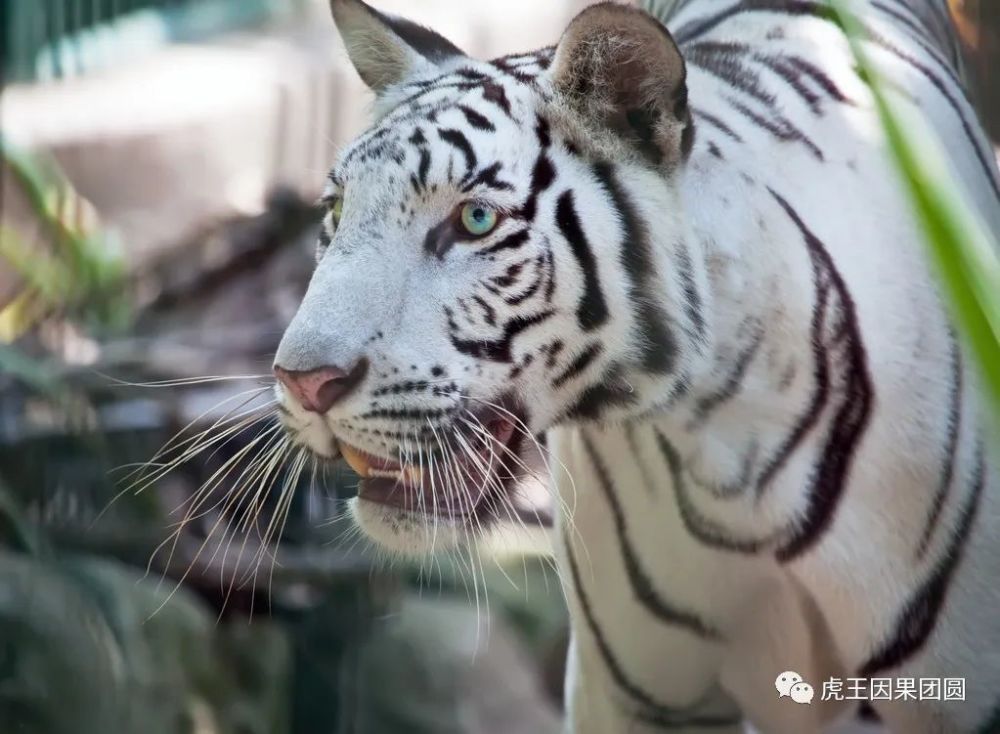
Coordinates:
x,y
458,479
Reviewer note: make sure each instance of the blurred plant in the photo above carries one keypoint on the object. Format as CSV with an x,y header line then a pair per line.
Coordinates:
x,y
962,249
76,272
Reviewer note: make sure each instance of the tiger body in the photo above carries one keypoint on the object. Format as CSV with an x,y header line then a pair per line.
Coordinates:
x,y
767,443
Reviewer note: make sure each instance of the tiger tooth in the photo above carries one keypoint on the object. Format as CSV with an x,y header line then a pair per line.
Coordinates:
x,y
360,463
356,460
408,474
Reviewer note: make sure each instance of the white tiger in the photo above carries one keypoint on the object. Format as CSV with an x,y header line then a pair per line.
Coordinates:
x,y
683,261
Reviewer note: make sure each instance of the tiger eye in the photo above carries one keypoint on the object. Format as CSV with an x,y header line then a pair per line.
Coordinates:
x,y
478,219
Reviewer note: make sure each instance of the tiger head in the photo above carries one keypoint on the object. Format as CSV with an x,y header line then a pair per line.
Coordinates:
x,y
503,253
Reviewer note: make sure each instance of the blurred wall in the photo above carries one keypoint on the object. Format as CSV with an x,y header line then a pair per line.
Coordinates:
x,y
195,131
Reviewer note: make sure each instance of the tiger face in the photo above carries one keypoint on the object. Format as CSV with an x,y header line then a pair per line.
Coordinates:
x,y
482,271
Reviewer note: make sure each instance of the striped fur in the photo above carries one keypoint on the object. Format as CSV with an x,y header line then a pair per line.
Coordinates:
x,y
711,303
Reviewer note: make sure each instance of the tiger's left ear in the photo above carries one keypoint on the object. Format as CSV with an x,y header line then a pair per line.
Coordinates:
x,y
618,68
387,50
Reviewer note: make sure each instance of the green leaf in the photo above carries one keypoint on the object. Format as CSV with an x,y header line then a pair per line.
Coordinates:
x,y
962,249
78,273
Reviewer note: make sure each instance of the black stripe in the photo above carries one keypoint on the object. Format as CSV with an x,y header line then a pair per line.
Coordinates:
x,y
511,242
550,269
678,7
781,66
488,313
400,414
801,7
642,585
424,167
851,419
592,311
942,48
401,388
578,365
687,138
700,527
494,93
987,165
511,275
652,710
467,72
659,348
495,350
919,617
406,107
722,60
543,131
697,28
717,123
457,139
820,394
553,350
466,310
633,446
907,21
475,119
820,78
948,468
692,299
544,56
531,289
417,138
779,126
704,408
610,392
487,177
542,176
504,66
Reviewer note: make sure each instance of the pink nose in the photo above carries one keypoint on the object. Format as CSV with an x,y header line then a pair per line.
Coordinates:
x,y
317,390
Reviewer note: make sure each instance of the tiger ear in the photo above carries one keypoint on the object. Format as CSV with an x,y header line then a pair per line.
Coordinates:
x,y
618,68
384,49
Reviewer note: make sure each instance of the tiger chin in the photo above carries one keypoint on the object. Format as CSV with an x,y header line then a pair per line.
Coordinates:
x,y
662,278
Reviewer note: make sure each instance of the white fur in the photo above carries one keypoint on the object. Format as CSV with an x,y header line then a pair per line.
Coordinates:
x,y
827,611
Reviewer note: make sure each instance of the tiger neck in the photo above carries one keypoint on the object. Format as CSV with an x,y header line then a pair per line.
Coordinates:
x,y
750,296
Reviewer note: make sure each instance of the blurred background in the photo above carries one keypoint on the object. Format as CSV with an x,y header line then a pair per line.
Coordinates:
x,y
159,163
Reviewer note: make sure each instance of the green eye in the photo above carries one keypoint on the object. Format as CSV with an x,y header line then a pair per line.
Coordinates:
x,y
478,220
336,208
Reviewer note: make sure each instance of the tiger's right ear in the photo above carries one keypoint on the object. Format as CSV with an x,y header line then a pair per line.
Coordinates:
x,y
387,50
618,69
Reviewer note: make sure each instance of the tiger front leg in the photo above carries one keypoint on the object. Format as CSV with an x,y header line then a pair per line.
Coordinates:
x,y
596,705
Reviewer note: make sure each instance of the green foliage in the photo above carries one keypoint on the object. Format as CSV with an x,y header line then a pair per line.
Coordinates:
x,y
88,646
964,252
76,271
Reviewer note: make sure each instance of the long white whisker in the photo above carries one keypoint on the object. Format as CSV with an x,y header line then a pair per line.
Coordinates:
x,y
183,381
